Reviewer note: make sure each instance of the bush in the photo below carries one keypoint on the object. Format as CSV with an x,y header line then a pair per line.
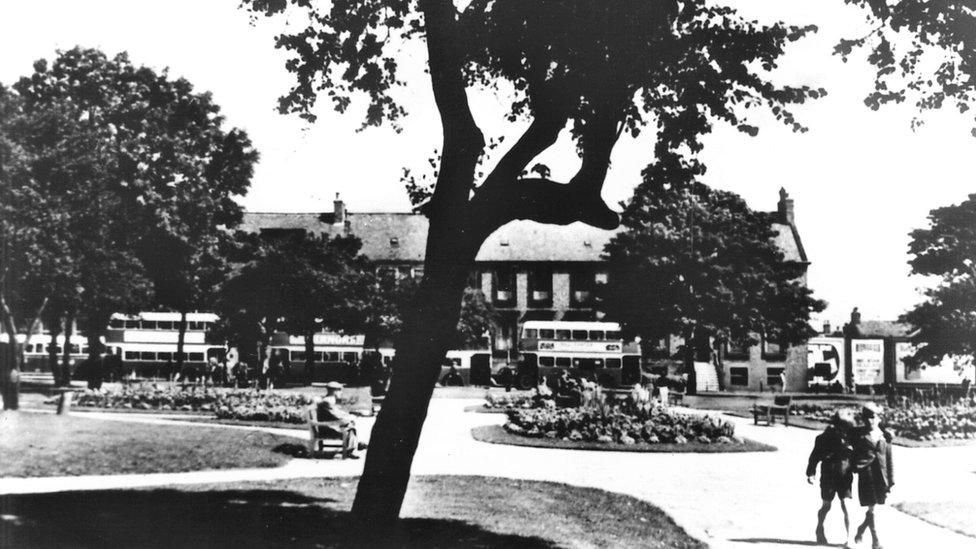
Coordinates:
x,y
623,424
915,421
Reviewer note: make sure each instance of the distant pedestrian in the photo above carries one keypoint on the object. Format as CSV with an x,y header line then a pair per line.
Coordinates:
x,y
833,450
874,467
782,381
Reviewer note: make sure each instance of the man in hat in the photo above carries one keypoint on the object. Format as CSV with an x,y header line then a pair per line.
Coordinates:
x,y
833,450
332,421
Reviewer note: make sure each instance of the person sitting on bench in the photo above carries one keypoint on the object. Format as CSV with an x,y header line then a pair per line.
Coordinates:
x,y
333,422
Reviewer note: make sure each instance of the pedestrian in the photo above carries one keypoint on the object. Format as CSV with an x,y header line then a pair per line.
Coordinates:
x,y
782,381
875,469
833,450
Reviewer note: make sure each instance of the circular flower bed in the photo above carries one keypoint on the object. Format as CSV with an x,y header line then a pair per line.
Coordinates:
x,y
507,401
625,425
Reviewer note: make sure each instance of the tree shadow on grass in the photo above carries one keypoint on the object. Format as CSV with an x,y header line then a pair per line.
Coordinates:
x,y
219,518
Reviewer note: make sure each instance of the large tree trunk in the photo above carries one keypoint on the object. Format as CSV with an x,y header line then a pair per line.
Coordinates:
x,y
180,340
12,361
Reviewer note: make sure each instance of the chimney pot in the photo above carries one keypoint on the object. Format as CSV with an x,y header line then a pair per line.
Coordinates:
x,y
785,207
339,210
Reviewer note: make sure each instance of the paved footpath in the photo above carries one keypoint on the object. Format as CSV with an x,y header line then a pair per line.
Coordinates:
x,y
744,500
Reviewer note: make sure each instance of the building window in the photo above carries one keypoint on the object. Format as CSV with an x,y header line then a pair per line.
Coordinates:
x,y
772,376
772,350
540,288
581,286
503,287
737,350
739,376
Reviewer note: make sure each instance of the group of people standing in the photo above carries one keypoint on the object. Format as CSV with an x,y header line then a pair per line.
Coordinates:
x,y
843,450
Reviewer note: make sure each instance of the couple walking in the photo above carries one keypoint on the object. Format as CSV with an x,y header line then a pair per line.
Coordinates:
x,y
844,449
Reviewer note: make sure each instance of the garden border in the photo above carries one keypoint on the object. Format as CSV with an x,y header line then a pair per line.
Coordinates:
x,y
496,434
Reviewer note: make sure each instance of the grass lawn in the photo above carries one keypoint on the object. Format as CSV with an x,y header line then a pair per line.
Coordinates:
x,y
954,515
441,511
49,445
496,434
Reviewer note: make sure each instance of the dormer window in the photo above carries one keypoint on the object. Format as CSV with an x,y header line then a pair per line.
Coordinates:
x,y
504,242
587,244
394,242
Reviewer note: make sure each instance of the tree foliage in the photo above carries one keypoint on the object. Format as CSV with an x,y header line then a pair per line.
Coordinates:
x,y
923,51
945,323
296,284
696,260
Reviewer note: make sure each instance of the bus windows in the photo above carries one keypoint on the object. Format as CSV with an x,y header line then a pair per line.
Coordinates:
x,y
116,324
588,363
531,333
148,324
632,361
131,324
298,356
563,361
163,325
613,335
194,325
613,363
579,335
131,355
547,361
546,334
147,355
562,335
349,357
333,356
195,357
164,355
596,335
318,356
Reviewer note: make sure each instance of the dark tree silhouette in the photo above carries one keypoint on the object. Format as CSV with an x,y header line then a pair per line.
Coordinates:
x,y
698,262
597,67
946,323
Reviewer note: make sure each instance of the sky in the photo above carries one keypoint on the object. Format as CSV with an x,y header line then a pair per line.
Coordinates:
x,y
861,179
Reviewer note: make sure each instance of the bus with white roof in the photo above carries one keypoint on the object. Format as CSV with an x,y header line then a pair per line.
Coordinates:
x,y
594,350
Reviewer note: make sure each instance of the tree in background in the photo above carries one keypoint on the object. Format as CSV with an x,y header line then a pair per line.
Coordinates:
x,y
478,317
699,263
141,177
946,323
297,284
598,68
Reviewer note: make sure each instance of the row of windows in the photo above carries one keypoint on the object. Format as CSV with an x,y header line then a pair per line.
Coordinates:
x,y
74,349
327,356
504,284
585,363
191,326
160,356
572,335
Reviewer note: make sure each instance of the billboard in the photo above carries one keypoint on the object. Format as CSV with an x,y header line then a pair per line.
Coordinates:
x,y
825,362
867,361
951,371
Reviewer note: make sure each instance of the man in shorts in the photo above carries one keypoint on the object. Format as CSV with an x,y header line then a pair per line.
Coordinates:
x,y
833,450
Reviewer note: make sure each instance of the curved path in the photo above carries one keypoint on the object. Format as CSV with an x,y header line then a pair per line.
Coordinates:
x,y
742,500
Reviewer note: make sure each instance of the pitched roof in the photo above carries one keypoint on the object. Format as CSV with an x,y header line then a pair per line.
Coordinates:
x,y
402,237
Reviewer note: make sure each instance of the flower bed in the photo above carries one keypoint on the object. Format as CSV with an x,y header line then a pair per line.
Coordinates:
x,y
627,425
914,422
506,401
235,404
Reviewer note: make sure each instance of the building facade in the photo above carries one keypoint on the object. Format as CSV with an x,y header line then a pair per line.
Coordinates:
x,y
532,271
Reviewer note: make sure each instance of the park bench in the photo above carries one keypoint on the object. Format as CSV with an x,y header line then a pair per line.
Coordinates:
x,y
323,438
781,406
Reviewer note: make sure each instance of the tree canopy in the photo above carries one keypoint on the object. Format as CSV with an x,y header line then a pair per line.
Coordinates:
x,y
945,323
695,259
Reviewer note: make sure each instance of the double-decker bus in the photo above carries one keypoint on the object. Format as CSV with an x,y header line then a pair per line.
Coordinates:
x,y
38,346
335,356
594,350
147,342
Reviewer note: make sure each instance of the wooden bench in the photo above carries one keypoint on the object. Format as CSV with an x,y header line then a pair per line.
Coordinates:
x,y
781,406
317,443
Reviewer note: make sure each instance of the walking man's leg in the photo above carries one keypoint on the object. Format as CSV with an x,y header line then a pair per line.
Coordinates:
x,y
821,516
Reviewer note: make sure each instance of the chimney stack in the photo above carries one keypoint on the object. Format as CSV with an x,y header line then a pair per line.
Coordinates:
x,y
339,211
785,207
826,328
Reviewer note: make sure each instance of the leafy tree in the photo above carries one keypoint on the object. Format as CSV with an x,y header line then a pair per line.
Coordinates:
x,y
698,262
478,317
144,176
297,284
923,51
597,67
946,323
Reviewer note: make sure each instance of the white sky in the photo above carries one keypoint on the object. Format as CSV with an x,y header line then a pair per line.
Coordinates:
x,y
861,179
